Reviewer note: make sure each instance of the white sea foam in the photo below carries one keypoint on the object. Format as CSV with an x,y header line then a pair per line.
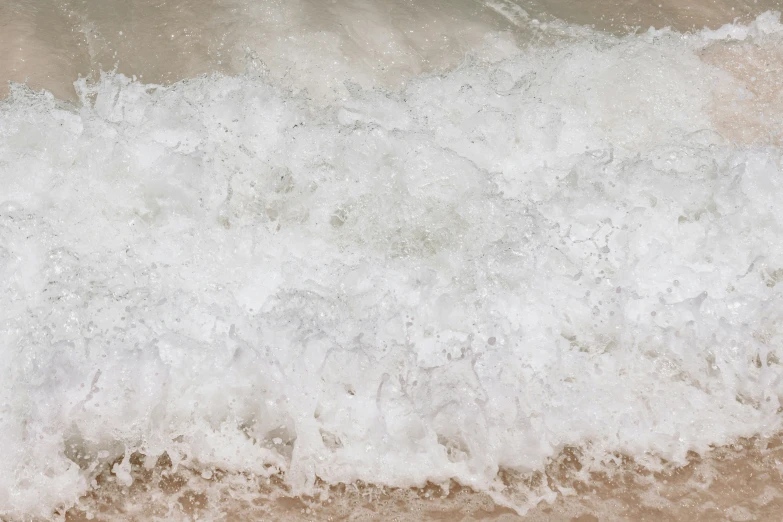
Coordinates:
x,y
558,248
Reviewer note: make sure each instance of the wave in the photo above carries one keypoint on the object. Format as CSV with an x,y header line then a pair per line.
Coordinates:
x,y
574,246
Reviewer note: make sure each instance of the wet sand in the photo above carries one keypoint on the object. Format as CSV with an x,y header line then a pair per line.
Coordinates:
x,y
736,483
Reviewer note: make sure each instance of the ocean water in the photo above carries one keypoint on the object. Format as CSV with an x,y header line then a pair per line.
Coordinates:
x,y
288,248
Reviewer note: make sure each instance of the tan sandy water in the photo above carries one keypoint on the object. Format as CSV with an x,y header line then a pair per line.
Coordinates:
x,y
50,43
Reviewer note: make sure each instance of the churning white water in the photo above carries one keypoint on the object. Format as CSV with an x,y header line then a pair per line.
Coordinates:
x,y
572,242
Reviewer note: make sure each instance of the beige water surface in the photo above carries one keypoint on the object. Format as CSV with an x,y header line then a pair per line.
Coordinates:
x,y
50,43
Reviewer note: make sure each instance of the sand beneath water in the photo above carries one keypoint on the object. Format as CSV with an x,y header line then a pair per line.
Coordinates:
x,y
737,483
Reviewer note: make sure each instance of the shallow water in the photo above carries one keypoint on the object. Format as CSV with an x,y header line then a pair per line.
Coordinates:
x,y
390,251
317,45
